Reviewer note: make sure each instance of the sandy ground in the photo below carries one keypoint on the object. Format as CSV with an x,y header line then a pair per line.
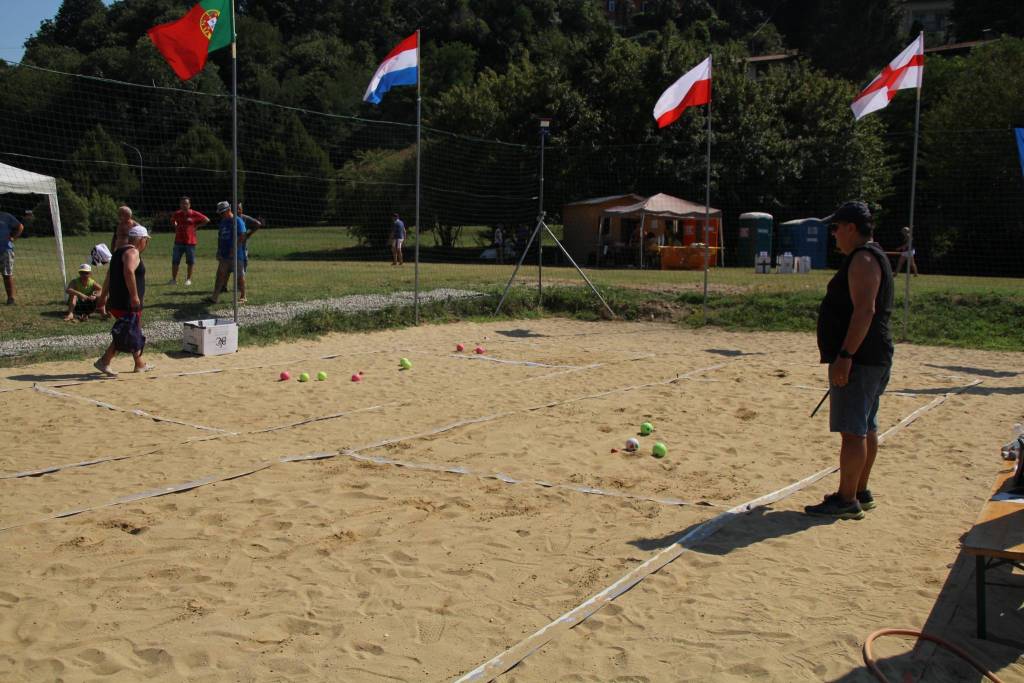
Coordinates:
x,y
345,570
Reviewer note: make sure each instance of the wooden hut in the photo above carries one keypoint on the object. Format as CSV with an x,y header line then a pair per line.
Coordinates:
x,y
585,219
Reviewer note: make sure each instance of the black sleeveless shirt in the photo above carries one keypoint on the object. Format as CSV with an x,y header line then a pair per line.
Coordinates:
x,y
119,297
837,308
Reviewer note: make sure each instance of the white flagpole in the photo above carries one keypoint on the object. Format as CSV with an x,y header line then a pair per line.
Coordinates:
x,y
234,160
707,206
419,110
913,189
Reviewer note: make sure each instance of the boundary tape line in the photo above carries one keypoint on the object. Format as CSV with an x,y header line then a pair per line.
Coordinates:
x,y
534,408
99,461
152,493
211,371
804,387
498,665
138,413
512,656
355,454
530,341
592,366
498,476
526,363
322,418
934,403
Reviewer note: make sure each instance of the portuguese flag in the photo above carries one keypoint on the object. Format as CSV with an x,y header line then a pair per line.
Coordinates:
x,y
185,43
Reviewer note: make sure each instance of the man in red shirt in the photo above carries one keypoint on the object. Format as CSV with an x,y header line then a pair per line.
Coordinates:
x,y
185,222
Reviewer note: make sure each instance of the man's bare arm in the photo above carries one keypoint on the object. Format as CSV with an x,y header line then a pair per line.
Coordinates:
x,y
865,278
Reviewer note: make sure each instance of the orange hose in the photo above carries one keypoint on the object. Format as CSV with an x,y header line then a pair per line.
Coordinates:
x,y
869,659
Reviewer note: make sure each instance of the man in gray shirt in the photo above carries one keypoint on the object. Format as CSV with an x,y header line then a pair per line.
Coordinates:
x,y
10,230
397,238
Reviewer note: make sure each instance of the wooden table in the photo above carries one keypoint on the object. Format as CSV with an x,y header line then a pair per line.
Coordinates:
x,y
996,539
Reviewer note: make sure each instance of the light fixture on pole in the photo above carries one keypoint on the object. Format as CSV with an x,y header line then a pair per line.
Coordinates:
x,y
142,184
545,131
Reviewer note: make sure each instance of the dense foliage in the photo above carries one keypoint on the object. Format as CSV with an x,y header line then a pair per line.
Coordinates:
x,y
784,138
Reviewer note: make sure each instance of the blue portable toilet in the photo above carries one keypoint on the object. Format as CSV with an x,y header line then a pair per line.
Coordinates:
x,y
805,237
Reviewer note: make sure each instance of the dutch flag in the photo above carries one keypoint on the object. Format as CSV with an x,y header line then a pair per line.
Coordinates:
x,y
400,67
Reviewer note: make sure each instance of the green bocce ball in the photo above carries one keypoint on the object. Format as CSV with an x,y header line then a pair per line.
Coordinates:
x,y
659,450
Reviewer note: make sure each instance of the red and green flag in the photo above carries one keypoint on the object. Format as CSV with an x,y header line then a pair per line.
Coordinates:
x,y
185,43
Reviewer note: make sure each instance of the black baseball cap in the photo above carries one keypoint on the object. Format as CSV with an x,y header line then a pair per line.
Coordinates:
x,y
856,212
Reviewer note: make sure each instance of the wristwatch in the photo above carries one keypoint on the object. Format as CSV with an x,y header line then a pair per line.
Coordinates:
x,y
843,353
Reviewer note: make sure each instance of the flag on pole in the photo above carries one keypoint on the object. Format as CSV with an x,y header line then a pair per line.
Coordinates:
x,y
400,67
1019,134
693,89
185,43
902,73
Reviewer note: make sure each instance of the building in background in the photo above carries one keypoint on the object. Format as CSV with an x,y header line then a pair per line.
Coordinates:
x,y
758,65
930,16
619,11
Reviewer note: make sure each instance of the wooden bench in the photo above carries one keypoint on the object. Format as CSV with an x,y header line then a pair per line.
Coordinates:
x,y
996,539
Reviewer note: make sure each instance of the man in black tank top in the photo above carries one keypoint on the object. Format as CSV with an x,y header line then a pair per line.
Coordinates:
x,y
854,339
124,292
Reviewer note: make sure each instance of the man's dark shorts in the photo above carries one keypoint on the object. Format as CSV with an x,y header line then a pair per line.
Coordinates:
x,y
85,307
186,250
853,409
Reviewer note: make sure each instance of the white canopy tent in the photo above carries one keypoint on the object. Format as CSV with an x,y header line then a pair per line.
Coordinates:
x,y
17,181
663,206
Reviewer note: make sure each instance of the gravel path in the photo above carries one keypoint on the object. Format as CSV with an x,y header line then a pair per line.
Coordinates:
x,y
165,330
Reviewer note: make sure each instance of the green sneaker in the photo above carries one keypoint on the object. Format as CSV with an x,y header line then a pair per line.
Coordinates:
x,y
833,507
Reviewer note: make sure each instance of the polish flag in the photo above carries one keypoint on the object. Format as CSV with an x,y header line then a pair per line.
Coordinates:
x,y
693,89
902,73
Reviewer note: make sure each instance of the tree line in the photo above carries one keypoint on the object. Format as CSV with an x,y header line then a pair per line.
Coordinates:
x,y
784,140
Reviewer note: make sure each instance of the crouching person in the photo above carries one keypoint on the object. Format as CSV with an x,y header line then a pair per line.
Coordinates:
x,y
83,294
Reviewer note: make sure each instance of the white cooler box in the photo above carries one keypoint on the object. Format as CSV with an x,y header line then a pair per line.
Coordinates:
x,y
212,337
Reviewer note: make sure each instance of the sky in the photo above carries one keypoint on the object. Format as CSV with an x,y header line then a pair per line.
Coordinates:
x,y
19,19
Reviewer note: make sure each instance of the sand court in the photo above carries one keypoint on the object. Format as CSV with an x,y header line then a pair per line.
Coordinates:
x,y
409,554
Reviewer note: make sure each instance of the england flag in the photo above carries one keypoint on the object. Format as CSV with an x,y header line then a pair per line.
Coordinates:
x,y
902,73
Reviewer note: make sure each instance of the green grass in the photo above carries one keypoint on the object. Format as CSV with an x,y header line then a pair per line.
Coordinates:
x,y
939,318
305,263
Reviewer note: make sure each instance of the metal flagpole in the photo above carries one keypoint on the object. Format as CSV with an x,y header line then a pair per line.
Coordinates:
x,y
544,123
913,188
234,159
707,211
419,111
643,228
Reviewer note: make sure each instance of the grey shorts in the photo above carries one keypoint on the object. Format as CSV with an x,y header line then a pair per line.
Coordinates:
x,y
229,264
853,409
7,263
